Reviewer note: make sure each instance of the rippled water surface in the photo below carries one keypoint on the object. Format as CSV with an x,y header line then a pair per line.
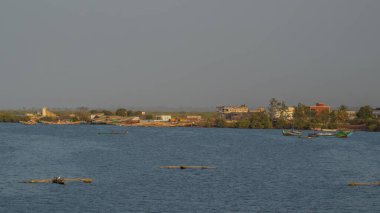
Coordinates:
x,y
256,170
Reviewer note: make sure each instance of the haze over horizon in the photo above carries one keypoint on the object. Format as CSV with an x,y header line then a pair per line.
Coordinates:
x,y
188,53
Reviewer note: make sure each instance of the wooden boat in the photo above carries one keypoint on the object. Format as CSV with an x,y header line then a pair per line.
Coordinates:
x,y
59,180
376,183
343,134
312,135
306,137
325,134
31,122
187,167
291,132
62,122
328,130
113,133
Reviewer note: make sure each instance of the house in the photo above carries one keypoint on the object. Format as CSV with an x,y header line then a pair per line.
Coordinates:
x,y
96,115
46,113
376,112
163,117
232,109
194,118
288,113
351,114
320,107
260,109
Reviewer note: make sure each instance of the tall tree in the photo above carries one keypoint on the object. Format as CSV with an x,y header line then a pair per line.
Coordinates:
x,y
302,117
121,112
365,113
274,107
341,114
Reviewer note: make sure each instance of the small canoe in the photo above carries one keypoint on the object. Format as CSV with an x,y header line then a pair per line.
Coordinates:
x,y
325,134
59,180
186,167
291,132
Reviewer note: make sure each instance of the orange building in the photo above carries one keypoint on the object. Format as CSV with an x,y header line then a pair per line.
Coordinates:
x,y
320,107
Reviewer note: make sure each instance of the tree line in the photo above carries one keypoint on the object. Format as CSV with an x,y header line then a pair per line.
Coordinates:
x,y
303,118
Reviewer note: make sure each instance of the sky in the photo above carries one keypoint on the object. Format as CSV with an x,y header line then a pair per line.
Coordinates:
x,y
188,53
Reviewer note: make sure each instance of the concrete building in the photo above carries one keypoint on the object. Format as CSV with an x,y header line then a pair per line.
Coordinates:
x,y
351,114
320,107
376,112
193,118
288,113
232,109
163,117
260,109
46,113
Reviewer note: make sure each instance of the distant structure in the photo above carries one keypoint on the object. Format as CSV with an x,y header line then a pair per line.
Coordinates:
x,y
193,118
351,114
376,112
320,107
46,113
232,109
258,110
163,117
288,113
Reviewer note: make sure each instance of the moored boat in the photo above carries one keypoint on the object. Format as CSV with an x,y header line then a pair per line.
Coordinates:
x,y
343,134
291,132
31,122
325,134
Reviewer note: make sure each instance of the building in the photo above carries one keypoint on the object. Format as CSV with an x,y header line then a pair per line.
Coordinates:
x,y
96,115
232,109
163,117
288,113
46,113
351,114
260,109
320,107
194,118
376,112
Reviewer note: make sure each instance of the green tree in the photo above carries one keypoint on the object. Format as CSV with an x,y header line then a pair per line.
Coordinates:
x,y
245,124
220,122
365,113
260,120
149,117
107,112
323,118
130,113
302,118
121,112
341,114
274,108
83,114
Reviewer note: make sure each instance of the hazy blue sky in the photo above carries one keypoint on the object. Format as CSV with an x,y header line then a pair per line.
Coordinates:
x,y
196,53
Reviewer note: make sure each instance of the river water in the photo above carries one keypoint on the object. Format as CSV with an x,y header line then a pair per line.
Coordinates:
x,y
256,170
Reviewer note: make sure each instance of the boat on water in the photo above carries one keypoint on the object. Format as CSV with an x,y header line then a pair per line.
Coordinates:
x,y
61,122
291,132
343,134
329,130
325,134
28,122
113,133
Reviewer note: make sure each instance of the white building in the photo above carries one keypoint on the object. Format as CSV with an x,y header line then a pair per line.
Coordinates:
x,y
376,112
163,117
287,113
232,109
